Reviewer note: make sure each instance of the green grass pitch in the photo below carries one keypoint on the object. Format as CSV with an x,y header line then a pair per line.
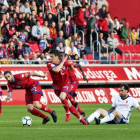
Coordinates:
x,y
12,129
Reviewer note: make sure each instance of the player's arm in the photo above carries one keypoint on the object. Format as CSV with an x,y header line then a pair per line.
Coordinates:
x,y
58,68
10,90
81,69
111,109
33,73
0,73
9,96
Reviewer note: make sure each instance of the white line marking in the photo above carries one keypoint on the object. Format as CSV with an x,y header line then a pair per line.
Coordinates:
x,y
61,128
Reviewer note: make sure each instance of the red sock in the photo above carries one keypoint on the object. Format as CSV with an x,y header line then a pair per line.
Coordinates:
x,y
38,113
71,99
46,109
80,110
74,111
65,105
0,106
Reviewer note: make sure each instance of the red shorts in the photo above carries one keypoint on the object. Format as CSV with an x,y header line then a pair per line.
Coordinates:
x,y
33,94
74,86
66,89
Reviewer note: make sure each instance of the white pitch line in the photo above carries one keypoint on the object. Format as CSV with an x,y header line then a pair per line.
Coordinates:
x,y
15,121
61,128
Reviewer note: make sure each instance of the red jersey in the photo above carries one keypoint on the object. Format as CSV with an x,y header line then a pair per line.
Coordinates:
x,y
61,78
72,76
0,71
22,80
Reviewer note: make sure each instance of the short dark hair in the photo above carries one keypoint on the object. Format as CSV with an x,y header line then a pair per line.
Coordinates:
x,y
6,72
126,87
55,52
124,19
115,17
133,28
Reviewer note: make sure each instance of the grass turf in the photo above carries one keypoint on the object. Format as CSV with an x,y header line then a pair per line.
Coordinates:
x,y
12,129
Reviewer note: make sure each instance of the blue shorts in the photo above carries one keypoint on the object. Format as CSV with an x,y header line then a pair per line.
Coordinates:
x,y
121,121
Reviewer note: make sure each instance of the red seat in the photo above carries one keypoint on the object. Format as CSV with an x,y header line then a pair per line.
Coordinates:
x,y
126,48
90,57
119,39
112,57
3,45
119,58
133,48
35,48
137,48
120,47
128,58
137,58
30,56
132,58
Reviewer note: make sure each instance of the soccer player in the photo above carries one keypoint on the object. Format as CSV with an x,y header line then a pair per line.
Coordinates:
x,y
33,93
120,111
59,74
74,84
0,93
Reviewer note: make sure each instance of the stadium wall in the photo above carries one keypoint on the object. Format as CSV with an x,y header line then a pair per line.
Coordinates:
x,y
128,9
84,96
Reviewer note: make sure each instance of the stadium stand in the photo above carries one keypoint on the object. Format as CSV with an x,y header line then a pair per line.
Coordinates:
x,y
81,22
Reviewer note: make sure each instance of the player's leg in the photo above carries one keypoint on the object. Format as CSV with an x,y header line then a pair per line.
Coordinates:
x,y
75,113
39,105
115,115
33,111
0,100
64,101
72,93
98,113
0,106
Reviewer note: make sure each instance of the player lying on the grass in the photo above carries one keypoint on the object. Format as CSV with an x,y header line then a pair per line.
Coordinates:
x,y
60,77
74,83
0,93
120,111
33,93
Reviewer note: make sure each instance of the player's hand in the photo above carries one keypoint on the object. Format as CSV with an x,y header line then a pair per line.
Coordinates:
x,y
85,79
0,75
7,99
43,76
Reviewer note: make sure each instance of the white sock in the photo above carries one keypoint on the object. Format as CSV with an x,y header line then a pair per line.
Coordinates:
x,y
108,118
93,115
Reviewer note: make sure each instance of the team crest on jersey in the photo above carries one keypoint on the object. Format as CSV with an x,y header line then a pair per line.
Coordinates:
x,y
19,82
126,101
26,74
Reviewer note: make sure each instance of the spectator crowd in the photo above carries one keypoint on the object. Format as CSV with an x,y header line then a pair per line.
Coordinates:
x,y
54,24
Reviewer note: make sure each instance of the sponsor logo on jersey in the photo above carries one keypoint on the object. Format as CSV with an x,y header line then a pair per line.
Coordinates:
x,y
126,101
26,74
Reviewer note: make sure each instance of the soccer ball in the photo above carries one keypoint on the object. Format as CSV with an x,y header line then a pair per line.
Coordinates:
x,y
26,121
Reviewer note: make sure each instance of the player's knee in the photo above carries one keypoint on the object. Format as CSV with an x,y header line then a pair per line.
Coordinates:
x,y
36,104
69,103
99,109
62,97
115,112
29,109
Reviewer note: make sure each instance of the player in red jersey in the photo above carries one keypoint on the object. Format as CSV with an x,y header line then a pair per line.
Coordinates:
x,y
33,93
59,74
0,93
74,83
